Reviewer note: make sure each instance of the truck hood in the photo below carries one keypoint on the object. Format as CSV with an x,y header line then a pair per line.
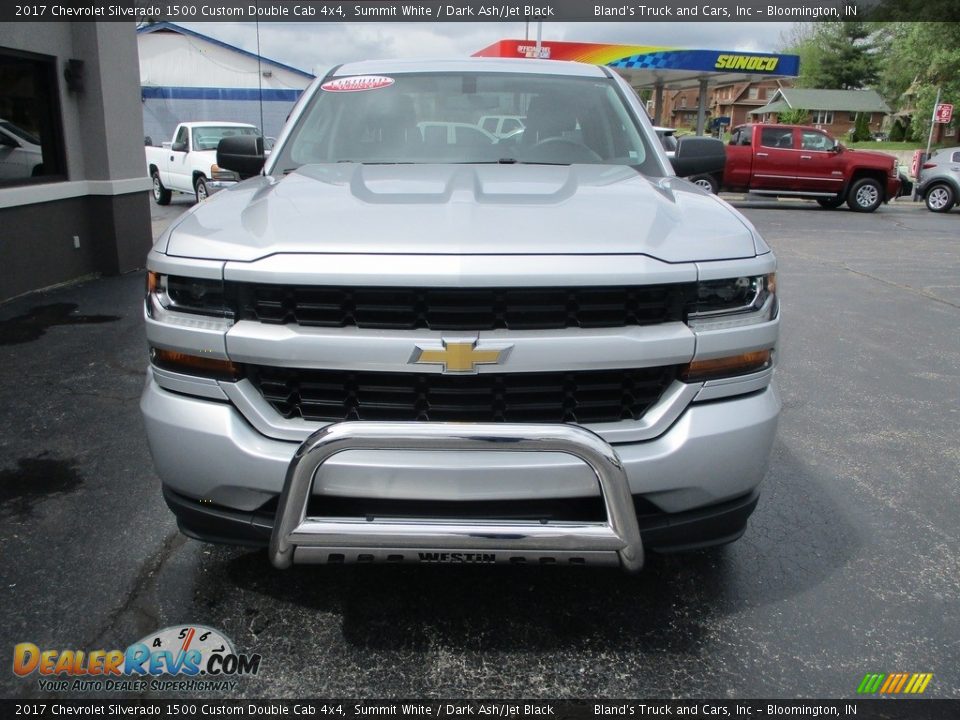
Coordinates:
x,y
463,210
874,158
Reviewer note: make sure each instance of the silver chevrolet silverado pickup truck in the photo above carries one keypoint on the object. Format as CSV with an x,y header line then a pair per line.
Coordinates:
x,y
402,340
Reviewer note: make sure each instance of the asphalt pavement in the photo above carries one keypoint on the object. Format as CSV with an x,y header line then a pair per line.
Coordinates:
x,y
849,565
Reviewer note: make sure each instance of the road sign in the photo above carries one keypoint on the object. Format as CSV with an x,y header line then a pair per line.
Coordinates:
x,y
944,113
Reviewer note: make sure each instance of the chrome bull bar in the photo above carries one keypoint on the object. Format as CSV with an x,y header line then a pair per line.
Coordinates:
x,y
299,538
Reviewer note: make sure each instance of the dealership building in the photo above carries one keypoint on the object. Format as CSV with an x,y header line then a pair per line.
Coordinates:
x,y
185,75
73,187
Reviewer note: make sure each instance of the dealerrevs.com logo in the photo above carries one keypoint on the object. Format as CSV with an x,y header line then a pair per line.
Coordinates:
x,y
185,658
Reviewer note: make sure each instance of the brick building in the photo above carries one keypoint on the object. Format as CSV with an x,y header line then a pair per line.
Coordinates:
x,y
832,110
736,100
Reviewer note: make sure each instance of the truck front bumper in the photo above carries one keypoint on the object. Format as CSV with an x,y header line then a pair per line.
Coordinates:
x,y
228,482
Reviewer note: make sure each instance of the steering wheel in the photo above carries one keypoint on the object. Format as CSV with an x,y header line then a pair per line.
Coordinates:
x,y
567,146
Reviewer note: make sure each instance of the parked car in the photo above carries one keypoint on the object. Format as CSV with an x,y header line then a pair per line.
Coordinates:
x,y
454,133
502,126
807,162
939,182
21,155
554,351
668,138
188,163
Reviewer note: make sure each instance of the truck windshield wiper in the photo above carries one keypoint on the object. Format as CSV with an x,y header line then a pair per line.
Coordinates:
x,y
510,161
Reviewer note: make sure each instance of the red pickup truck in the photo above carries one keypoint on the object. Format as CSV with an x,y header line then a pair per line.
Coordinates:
x,y
798,161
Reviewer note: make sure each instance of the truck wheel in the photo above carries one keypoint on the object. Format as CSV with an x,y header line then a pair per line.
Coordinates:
x,y
200,187
940,198
830,203
865,195
707,182
160,193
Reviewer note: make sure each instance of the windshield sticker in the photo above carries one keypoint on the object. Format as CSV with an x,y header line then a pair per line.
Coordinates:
x,y
358,82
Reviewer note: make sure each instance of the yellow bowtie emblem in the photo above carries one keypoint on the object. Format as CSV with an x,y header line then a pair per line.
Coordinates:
x,y
461,357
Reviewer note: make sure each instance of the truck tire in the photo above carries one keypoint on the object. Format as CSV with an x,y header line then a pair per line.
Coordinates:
x,y
707,182
200,188
865,195
940,198
160,193
830,203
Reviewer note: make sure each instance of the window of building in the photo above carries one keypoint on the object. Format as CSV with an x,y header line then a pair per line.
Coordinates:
x,y
31,138
754,93
823,117
683,101
852,117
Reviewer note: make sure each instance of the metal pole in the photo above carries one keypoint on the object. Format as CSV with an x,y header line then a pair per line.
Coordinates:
x,y
658,103
933,121
702,107
539,36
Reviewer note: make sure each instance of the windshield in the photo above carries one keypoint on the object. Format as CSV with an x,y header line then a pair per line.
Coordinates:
x,y
209,136
445,118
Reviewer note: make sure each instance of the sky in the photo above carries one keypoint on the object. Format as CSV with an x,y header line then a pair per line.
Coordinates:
x,y
317,46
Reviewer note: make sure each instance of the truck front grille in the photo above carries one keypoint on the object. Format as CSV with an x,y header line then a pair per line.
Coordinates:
x,y
554,397
464,308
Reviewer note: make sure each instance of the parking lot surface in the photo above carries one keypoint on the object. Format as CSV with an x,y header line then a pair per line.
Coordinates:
x,y
849,565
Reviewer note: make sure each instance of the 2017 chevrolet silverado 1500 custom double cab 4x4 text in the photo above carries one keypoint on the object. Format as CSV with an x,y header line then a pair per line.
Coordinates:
x,y
798,161
187,164
400,346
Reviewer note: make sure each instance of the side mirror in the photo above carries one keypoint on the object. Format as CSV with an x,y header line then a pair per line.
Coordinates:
x,y
241,153
837,148
179,147
699,156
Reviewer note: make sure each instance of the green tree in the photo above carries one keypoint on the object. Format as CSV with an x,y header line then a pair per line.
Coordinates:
x,y
848,57
922,56
834,55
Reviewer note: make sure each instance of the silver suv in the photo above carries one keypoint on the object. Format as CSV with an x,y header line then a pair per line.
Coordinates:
x,y
393,346
940,180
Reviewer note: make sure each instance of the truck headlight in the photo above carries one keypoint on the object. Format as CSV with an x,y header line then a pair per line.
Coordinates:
x,y
196,296
734,302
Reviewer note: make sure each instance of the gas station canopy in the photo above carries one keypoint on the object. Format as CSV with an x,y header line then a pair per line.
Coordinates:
x,y
659,67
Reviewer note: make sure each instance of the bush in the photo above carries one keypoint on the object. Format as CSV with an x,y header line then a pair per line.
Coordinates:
x,y
861,130
798,116
898,133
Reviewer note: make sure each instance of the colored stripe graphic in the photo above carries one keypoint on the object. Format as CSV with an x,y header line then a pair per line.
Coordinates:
x,y
894,683
871,683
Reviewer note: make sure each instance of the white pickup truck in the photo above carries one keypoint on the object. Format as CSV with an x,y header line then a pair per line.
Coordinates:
x,y
188,163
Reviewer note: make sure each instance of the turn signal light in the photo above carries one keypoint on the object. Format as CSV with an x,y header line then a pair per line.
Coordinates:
x,y
153,282
725,366
194,364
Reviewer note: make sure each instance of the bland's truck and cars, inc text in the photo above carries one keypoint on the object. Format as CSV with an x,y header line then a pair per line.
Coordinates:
x,y
398,343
